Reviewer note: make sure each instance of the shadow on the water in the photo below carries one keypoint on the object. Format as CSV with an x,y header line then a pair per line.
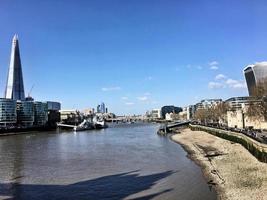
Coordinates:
x,y
118,186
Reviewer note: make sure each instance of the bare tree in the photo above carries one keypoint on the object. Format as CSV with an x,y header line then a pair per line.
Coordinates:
x,y
257,107
204,115
220,112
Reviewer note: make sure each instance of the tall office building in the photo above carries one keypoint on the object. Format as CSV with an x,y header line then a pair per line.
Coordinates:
x,y
15,88
254,74
98,109
102,108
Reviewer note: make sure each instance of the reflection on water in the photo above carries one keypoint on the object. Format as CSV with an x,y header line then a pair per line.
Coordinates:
x,y
121,162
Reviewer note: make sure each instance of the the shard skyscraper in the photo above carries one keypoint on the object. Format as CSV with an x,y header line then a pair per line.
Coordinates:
x,y
15,88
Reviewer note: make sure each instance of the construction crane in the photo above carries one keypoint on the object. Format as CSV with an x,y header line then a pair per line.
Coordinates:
x,y
29,93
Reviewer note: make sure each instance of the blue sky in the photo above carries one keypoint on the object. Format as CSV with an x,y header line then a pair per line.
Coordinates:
x,y
133,55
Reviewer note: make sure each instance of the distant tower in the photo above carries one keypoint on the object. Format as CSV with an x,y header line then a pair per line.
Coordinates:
x,y
98,109
15,88
102,108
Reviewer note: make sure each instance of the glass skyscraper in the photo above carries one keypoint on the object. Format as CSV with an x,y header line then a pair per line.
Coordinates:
x,y
102,108
254,74
15,88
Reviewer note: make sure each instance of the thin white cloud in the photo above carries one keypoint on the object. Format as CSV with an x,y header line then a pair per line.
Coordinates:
x,y
222,82
215,85
129,103
124,98
235,84
189,66
220,77
231,81
107,89
213,63
144,98
239,86
214,67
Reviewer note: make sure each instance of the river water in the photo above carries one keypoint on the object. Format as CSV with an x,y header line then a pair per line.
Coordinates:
x,y
121,162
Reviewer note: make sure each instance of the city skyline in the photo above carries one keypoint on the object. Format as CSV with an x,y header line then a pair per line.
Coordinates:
x,y
132,56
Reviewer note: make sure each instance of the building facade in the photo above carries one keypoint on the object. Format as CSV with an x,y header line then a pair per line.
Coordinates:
x,y
53,109
207,103
191,109
40,113
238,103
25,113
156,114
8,113
239,119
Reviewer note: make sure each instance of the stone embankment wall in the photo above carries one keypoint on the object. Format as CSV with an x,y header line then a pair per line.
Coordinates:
x,y
257,149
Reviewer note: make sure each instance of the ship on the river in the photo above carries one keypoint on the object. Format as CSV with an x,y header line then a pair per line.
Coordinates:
x,y
94,122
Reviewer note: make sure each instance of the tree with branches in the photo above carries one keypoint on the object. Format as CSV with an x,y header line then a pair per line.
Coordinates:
x,y
257,107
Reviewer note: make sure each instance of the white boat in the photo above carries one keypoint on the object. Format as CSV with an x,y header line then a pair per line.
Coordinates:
x,y
99,122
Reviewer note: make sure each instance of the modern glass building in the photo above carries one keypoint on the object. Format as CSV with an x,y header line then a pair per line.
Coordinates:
x,y
102,108
14,87
53,113
52,105
40,113
25,113
207,103
8,113
254,74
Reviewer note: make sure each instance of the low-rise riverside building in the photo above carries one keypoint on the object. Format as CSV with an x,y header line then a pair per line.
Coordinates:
x,y
238,119
207,103
8,113
183,115
70,116
53,113
156,114
191,109
169,116
40,113
89,111
25,113
237,103
28,113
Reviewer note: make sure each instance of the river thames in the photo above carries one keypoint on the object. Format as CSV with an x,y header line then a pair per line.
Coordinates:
x,y
126,161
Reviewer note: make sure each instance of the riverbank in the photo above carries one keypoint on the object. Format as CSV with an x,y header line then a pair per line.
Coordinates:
x,y
17,131
229,167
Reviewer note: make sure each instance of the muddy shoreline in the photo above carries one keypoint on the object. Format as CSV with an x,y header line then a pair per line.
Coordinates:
x,y
228,167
